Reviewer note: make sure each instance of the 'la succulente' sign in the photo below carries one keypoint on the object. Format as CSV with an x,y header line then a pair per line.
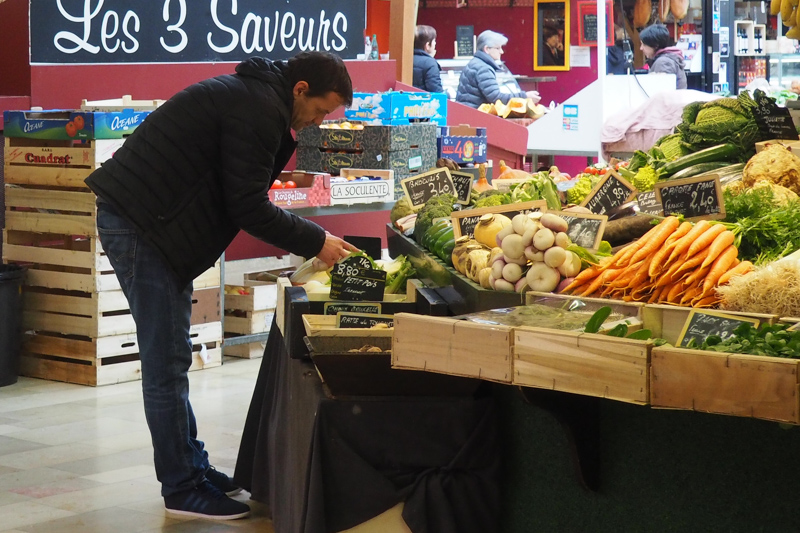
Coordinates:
x,y
181,31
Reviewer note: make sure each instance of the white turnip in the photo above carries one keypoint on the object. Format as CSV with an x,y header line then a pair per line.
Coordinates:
x,y
564,283
512,272
497,268
503,233
542,278
554,222
503,285
544,239
512,246
554,256
533,254
571,265
562,240
522,261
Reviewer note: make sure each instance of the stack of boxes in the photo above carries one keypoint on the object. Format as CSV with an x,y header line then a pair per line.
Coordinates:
x,y
78,327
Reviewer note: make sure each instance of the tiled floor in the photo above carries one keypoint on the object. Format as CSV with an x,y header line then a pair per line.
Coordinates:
x,y
77,459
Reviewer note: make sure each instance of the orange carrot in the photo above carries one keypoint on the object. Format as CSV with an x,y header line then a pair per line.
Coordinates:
x,y
658,263
720,265
583,277
742,268
705,239
692,262
607,275
674,294
707,301
665,228
722,241
654,296
668,277
693,279
684,242
689,294
635,246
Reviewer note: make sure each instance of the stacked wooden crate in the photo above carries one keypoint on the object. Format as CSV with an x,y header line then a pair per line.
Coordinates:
x,y
78,325
249,310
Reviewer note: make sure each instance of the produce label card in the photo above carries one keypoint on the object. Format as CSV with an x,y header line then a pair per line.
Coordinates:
x,y
422,187
694,198
332,308
773,122
702,324
464,222
610,192
463,184
362,320
648,203
585,230
354,279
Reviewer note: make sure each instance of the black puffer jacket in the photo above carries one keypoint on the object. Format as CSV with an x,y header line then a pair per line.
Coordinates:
x,y
427,75
200,166
478,83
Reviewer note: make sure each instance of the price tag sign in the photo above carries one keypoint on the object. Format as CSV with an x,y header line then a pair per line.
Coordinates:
x,y
333,308
464,222
422,187
698,197
610,192
463,183
362,320
702,324
648,203
773,122
351,280
584,229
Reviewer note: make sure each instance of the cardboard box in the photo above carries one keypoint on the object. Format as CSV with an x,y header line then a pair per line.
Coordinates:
x,y
395,105
793,145
463,144
370,137
313,190
402,162
361,191
65,125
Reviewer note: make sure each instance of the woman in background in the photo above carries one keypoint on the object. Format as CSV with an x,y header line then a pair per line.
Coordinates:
x,y
661,55
426,69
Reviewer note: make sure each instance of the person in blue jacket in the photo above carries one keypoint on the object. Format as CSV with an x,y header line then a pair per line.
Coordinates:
x,y
478,82
426,69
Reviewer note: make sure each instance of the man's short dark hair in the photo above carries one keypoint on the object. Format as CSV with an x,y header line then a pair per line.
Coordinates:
x,y
324,72
423,35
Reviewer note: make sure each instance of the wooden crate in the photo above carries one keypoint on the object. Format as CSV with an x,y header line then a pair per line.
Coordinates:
x,y
104,360
250,350
667,321
731,384
582,363
248,314
451,346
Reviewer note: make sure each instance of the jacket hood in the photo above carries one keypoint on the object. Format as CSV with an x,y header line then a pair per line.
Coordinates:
x,y
673,53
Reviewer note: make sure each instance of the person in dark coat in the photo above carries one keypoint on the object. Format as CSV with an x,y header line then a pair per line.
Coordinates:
x,y
172,198
553,49
616,62
478,81
661,55
426,68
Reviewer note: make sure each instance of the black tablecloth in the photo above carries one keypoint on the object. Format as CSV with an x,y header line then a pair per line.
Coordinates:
x,y
325,465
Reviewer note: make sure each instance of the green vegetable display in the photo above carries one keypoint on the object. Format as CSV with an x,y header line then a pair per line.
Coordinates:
x,y
771,340
491,198
721,121
436,207
645,178
672,146
398,272
539,187
400,209
583,186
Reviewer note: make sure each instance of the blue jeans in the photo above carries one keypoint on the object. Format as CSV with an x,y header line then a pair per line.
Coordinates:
x,y
162,310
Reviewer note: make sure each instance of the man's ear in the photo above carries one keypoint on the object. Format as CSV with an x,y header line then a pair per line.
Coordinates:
x,y
299,88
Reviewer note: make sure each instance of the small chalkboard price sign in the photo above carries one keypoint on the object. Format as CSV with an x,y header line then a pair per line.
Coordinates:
x,y
702,324
584,229
773,122
610,192
351,280
648,203
465,41
332,308
464,222
422,187
698,197
463,183
362,320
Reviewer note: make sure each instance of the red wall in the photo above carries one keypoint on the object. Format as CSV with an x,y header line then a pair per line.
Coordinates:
x,y
15,77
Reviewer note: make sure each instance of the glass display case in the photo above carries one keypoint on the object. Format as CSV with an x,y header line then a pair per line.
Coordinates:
x,y
783,69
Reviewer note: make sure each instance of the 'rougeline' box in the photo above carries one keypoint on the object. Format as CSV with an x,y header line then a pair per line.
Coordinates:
x,y
67,125
398,106
312,189
463,144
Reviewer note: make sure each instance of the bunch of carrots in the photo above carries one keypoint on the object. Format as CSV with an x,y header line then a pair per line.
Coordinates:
x,y
676,262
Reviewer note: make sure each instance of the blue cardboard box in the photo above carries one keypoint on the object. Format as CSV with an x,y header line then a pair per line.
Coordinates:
x,y
398,107
68,125
462,144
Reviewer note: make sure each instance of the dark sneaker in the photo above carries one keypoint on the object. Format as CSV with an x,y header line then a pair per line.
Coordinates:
x,y
222,482
205,501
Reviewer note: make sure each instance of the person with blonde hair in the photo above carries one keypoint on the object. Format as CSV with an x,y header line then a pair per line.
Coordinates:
x,y
426,68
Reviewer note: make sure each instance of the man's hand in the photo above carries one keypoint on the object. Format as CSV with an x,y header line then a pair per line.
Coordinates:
x,y
334,249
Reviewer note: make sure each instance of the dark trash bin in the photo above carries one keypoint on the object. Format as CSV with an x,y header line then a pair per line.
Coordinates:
x,y
11,277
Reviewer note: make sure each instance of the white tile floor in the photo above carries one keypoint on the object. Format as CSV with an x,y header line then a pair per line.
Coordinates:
x,y
77,459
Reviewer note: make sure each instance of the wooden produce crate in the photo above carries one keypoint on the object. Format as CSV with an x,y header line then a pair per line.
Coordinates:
x,y
730,384
347,373
249,314
451,346
667,321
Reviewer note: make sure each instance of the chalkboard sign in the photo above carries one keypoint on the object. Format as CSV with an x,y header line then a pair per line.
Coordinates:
x,y
590,27
649,204
698,197
362,320
587,26
610,192
422,187
584,229
351,280
773,122
132,31
702,324
464,222
463,183
332,308
465,41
